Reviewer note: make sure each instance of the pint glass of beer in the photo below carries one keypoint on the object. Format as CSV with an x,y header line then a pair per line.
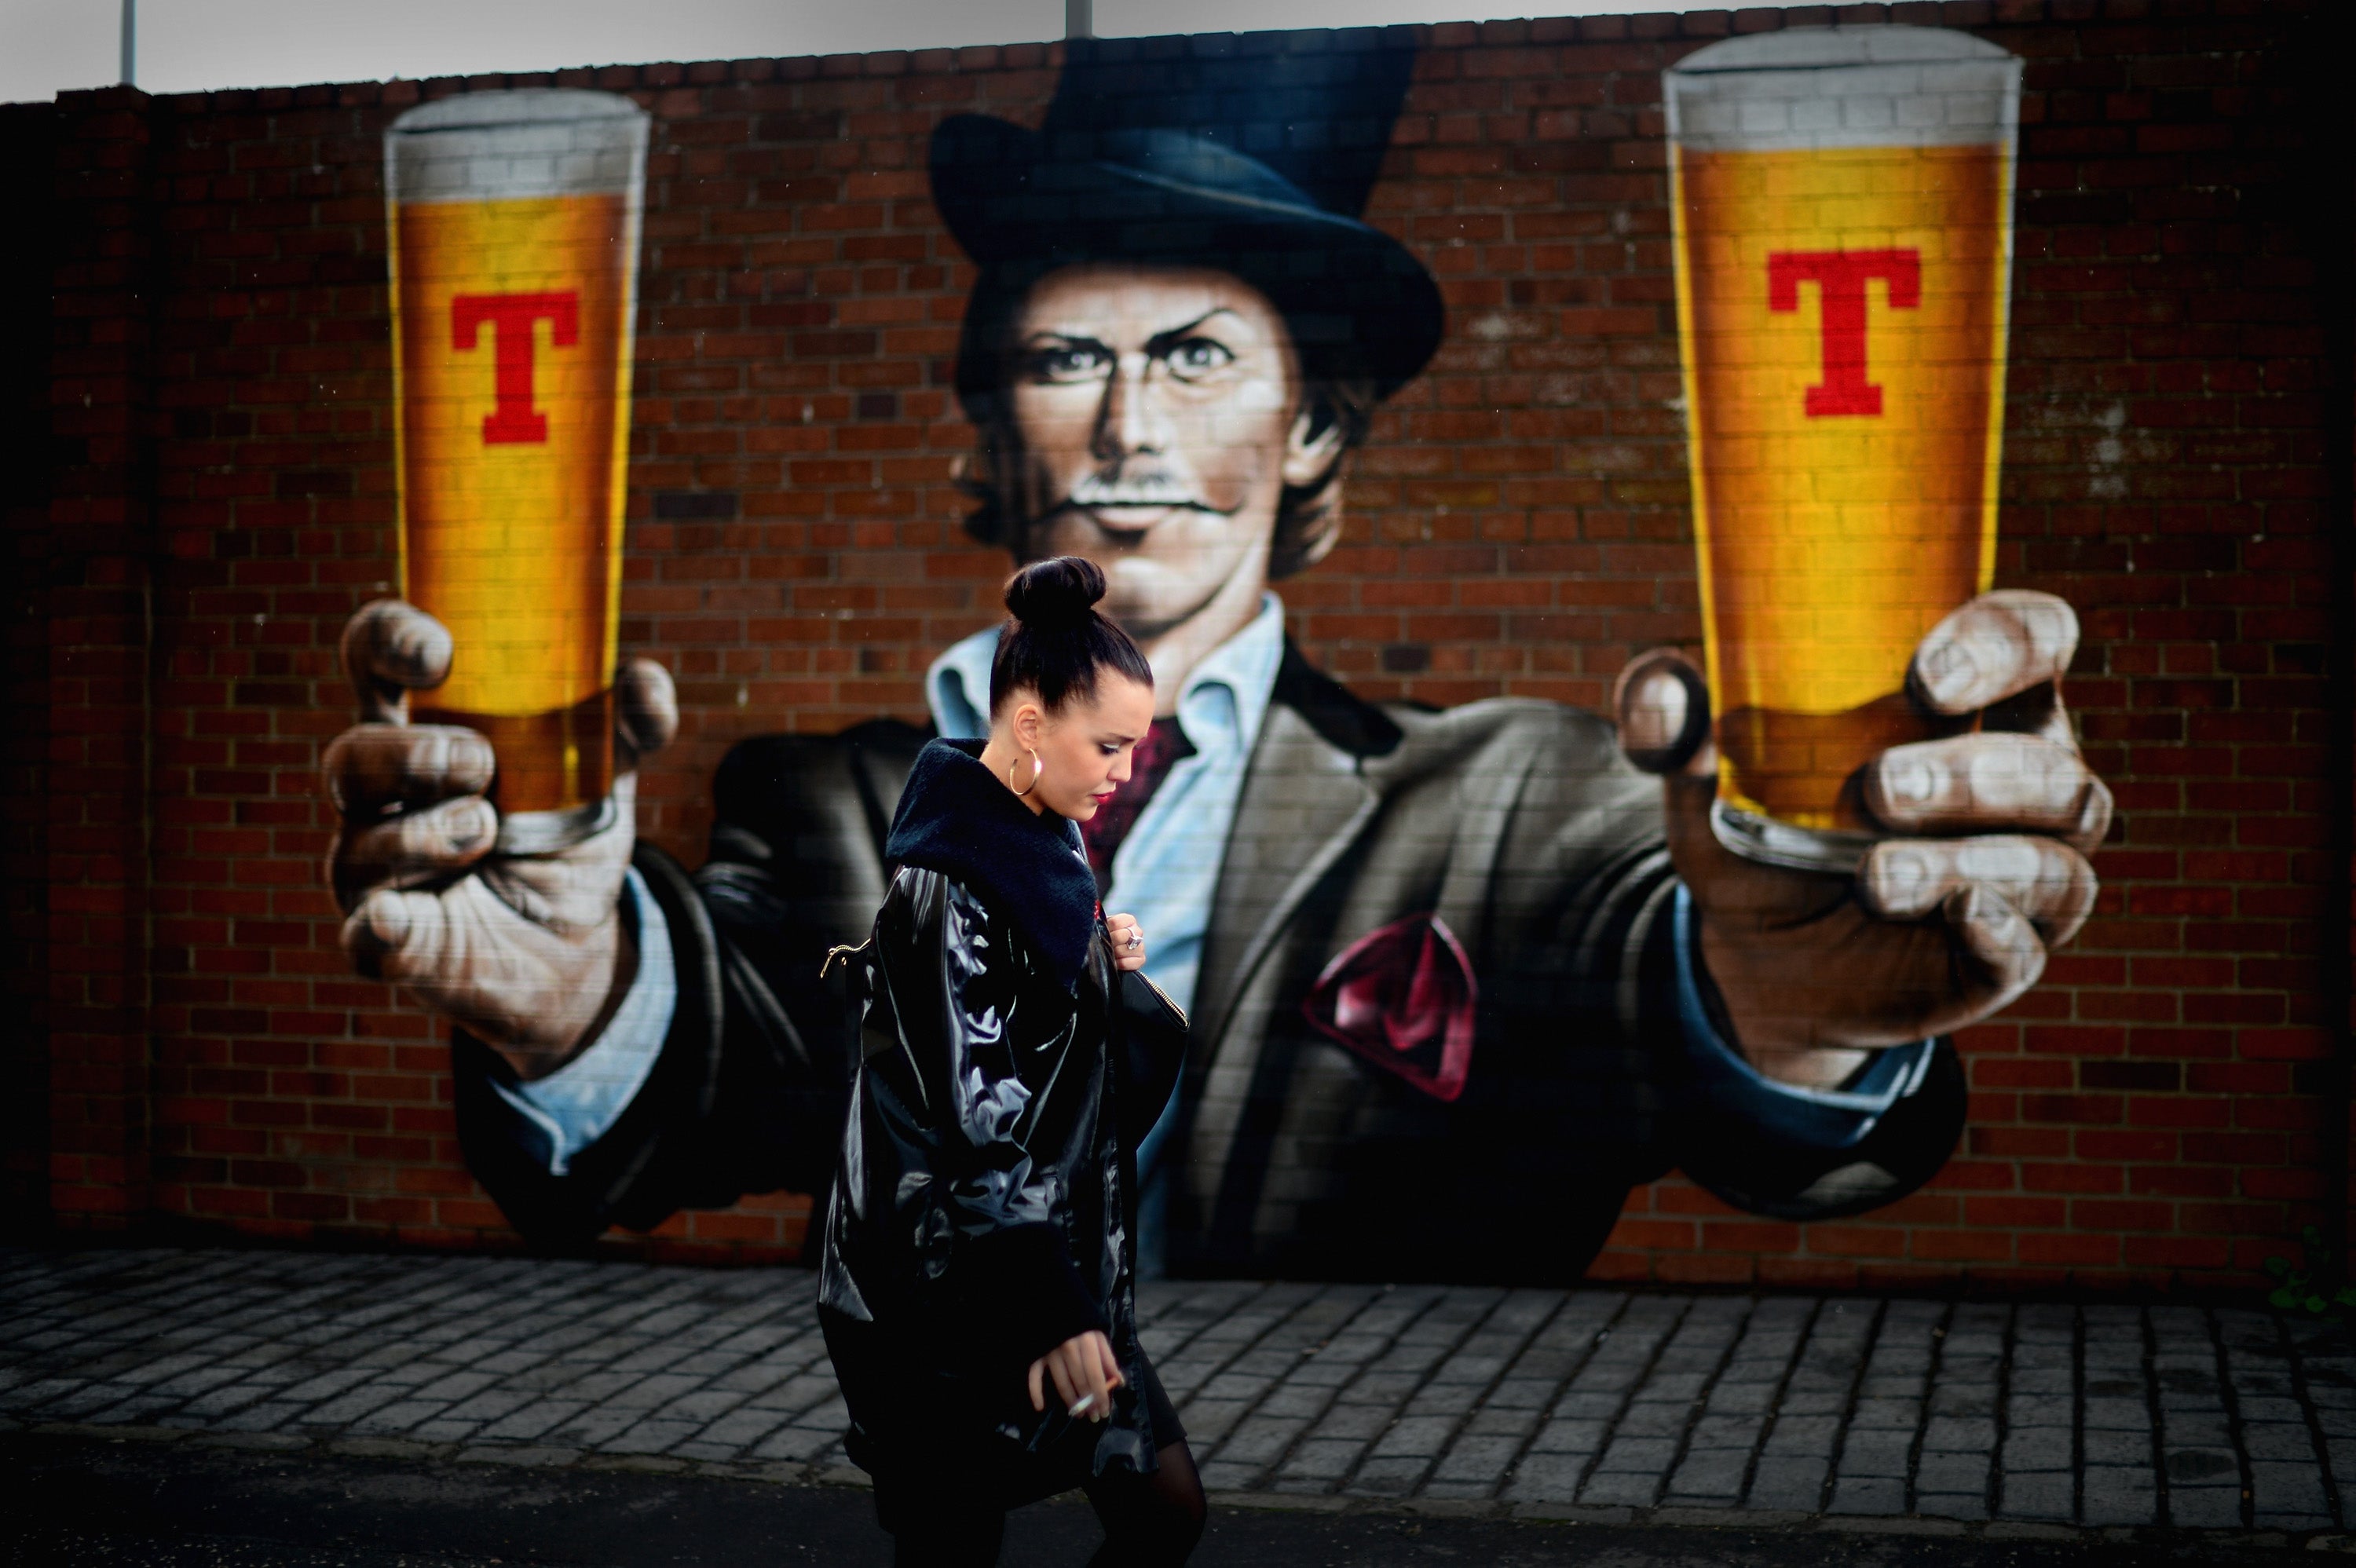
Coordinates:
x,y
1842,199
514,224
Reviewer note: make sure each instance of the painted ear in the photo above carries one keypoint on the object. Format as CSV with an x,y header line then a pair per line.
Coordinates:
x,y
1314,444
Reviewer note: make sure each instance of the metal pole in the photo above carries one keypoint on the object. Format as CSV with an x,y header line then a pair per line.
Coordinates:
x,y
1080,18
131,40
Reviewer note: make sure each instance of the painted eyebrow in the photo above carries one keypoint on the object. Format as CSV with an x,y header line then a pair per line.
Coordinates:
x,y
1160,343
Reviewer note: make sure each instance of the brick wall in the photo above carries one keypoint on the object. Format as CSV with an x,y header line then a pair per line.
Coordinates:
x,y
26,179
222,497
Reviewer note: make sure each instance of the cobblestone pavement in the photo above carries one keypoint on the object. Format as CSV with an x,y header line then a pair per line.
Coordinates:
x,y
1599,1405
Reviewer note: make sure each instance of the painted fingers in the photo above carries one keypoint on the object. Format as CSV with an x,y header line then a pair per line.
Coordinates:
x,y
411,795
412,848
1996,647
2040,879
645,711
1975,783
391,649
1663,706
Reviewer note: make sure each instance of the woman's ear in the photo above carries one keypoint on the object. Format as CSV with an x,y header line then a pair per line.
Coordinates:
x,y
1028,722
1312,446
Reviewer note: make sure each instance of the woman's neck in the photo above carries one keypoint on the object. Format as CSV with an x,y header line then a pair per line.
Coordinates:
x,y
1000,755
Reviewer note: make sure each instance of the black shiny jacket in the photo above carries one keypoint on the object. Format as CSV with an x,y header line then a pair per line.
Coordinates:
x,y
983,1209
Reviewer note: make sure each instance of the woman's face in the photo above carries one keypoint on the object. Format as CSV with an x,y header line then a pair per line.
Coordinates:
x,y
1082,747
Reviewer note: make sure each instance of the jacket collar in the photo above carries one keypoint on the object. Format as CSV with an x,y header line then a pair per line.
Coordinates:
x,y
956,818
1343,719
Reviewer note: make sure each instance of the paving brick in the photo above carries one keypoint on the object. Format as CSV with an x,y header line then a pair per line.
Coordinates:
x,y
2120,1495
1874,1454
1414,1435
2263,1440
1585,1437
1868,1495
1322,1459
531,1420
1951,1504
2205,1508
2038,1448
1383,1475
1788,1482
1648,1455
797,1443
2037,1497
739,1429
1946,1473
2129,1450
1628,1489
1711,1474
1803,1436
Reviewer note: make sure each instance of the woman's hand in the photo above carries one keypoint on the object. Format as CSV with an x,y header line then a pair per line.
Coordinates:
x,y
1128,941
1084,1373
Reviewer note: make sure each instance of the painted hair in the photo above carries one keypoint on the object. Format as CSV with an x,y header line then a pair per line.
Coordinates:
x,y
1055,641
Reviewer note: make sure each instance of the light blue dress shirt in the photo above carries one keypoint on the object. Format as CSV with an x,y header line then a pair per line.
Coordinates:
x,y
571,1108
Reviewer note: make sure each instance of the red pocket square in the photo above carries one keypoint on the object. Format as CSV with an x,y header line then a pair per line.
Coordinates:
x,y
1402,998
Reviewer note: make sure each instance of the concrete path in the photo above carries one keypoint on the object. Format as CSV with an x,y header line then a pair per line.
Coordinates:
x,y
1606,1406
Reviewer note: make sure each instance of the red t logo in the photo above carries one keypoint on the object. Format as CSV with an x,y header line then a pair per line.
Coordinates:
x,y
512,420
1840,277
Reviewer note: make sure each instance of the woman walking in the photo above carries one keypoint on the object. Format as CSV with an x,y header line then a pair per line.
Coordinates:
x,y
977,1284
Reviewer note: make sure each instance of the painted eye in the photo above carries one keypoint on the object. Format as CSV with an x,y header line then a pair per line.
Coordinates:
x,y
1198,357
1070,362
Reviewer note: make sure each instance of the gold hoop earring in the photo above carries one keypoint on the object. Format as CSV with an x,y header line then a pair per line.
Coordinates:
x,y
1036,769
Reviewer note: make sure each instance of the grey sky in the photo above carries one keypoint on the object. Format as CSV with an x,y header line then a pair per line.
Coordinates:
x,y
46,45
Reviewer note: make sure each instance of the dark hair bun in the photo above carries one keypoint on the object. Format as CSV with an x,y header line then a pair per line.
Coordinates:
x,y
1056,641
1056,593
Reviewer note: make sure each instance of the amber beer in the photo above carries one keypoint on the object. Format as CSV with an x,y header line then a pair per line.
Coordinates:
x,y
1842,202
515,224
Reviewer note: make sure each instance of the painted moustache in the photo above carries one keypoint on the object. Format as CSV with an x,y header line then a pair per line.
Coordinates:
x,y
1097,492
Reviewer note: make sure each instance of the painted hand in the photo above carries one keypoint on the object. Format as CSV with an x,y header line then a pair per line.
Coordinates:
x,y
527,953
1948,920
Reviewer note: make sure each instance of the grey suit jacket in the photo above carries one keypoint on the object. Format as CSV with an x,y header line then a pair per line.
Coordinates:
x,y
1500,857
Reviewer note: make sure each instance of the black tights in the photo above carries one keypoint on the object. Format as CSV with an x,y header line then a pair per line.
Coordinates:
x,y
1150,1521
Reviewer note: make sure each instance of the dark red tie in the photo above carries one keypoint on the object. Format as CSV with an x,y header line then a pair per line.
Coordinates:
x,y
1156,753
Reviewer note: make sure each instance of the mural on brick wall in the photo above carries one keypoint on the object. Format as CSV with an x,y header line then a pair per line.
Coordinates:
x,y
1457,978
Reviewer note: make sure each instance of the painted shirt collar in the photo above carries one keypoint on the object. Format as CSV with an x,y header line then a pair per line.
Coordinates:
x,y
1222,705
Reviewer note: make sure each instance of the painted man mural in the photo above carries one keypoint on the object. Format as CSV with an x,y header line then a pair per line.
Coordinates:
x,y
1457,979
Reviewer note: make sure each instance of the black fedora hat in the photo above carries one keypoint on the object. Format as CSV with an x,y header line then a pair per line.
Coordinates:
x,y
1206,152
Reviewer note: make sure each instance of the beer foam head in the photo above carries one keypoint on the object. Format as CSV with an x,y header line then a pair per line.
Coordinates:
x,y
1874,86
516,143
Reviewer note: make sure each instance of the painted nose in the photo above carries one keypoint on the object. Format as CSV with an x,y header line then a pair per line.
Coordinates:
x,y
1131,420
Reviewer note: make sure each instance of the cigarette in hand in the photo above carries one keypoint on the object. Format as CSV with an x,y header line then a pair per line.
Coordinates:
x,y
1080,1406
